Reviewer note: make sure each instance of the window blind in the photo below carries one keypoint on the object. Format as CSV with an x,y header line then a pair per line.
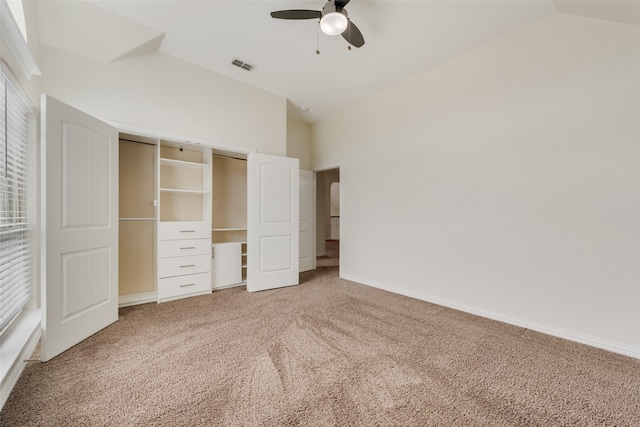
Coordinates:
x,y
15,236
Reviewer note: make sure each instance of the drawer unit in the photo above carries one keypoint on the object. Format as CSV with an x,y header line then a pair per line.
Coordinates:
x,y
178,266
175,230
183,249
179,248
181,286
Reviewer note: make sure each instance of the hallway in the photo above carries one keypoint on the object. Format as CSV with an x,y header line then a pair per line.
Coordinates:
x,y
332,257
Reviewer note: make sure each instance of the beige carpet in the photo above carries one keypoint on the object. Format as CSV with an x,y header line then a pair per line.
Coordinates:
x,y
332,254
327,352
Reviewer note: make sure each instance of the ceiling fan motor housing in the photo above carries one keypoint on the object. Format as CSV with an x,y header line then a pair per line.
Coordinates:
x,y
330,7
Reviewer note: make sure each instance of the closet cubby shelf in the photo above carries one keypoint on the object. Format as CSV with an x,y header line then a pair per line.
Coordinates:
x,y
229,229
180,191
182,164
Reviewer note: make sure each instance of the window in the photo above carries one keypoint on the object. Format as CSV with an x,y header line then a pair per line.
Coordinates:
x,y
15,235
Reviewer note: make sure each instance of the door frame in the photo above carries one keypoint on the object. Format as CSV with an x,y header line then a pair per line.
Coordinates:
x,y
146,133
221,148
155,137
325,168
314,215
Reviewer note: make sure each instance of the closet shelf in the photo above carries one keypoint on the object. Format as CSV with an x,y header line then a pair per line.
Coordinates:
x,y
183,164
136,219
180,191
183,248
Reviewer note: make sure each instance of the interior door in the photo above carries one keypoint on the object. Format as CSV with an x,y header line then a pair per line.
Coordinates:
x,y
79,237
307,260
272,222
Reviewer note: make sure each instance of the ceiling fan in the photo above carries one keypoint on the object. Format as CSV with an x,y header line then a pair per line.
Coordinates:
x,y
333,18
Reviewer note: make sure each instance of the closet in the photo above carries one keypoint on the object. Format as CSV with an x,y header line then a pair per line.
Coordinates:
x,y
137,219
229,222
183,228
152,206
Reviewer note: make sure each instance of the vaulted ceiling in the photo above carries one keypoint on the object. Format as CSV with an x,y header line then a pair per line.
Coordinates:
x,y
402,38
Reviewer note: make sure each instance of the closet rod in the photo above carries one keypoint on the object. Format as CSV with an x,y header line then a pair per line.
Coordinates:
x,y
136,219
229,157
138,142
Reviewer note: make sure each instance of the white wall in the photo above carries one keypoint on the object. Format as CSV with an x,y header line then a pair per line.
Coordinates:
x,y
511,181
298,142
160,93
335,199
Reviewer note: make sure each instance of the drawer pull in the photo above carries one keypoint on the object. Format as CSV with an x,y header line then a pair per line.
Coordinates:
x,y
187,231
188,247
188,265
188,284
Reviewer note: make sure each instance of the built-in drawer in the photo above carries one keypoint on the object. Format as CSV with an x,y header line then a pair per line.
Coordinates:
x,y
177,287
173,248
173,230
178,266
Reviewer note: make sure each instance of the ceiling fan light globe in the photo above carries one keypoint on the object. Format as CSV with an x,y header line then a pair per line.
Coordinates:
x,y
333,23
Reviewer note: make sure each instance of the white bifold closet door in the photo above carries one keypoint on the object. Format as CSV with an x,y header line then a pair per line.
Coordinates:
x,y
79,233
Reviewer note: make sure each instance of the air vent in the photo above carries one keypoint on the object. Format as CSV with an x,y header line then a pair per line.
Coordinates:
x,y
241,64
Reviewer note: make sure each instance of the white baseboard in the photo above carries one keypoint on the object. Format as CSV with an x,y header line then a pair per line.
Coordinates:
x,y
612,346
17,344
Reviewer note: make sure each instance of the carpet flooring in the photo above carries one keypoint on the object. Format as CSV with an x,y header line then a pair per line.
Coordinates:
x,y
332,254
328,352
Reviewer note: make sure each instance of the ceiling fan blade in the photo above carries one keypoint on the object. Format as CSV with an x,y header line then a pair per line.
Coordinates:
x,y
353,35
341,3
296,14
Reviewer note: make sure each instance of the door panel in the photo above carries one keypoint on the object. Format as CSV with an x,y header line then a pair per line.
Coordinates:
x,y
79,226
275,253
307,220
273,227
78,293
85,177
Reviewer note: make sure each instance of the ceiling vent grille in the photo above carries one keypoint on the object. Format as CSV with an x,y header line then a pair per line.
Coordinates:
x,y
241,64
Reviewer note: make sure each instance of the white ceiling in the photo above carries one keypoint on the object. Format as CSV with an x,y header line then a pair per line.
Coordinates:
x,y
402,38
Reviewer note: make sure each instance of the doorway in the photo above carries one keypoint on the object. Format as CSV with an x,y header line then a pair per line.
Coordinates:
x,y
328,218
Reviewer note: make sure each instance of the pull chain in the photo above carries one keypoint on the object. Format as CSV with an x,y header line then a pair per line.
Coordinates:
x,y
318,39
